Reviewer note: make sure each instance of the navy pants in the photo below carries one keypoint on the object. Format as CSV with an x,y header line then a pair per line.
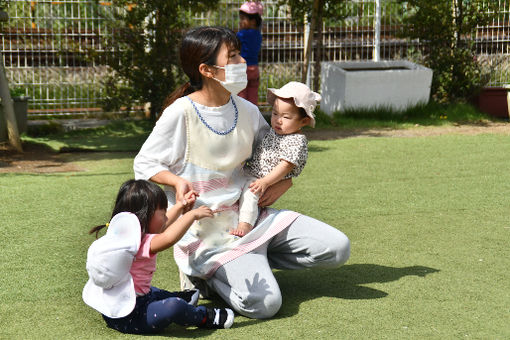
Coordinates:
x,y
155,311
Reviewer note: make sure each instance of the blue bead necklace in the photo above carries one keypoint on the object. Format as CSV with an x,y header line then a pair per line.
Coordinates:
x,y
210,127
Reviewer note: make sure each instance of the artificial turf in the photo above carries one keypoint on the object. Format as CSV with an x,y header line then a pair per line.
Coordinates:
x,y
427,218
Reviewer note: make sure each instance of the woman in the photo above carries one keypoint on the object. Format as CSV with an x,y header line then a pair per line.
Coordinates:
x,y
199,145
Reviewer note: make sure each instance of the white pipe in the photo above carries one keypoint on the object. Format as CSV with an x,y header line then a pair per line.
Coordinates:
x,y
377,37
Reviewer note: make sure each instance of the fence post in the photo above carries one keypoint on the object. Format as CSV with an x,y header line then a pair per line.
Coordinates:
x,y
377,38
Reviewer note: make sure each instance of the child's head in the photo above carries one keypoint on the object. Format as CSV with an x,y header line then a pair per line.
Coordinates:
x,y
293,107
142,198
250,15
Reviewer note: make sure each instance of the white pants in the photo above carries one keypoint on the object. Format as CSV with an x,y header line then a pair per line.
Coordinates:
x,y
247,283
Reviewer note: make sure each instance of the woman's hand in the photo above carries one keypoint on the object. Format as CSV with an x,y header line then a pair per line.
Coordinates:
x,y
274,192
183,188
185,194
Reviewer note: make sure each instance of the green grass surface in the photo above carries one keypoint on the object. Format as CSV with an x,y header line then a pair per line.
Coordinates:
x,y
120,135
427,218
431,114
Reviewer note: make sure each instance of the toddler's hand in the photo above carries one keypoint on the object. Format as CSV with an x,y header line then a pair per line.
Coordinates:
x,y
258,187
201,212
184,193
190,197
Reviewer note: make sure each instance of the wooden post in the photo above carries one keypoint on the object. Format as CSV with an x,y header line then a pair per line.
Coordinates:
x,y
5,95
318,54
10,117
308,44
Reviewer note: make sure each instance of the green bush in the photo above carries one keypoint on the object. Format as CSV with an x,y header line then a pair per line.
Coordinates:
x,y
445,28
146,45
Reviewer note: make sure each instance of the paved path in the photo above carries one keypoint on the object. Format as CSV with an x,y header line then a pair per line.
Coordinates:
x,y
71,124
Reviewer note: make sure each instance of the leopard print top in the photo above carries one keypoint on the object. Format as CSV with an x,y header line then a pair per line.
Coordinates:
x,y
293,148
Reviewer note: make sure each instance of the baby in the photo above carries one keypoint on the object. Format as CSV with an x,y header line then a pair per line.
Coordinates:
x,y
283,151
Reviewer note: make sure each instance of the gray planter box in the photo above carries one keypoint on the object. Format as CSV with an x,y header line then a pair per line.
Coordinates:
x,y
365,85
20,111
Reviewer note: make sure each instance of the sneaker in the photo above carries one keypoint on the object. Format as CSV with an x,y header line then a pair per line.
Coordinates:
x,y
218,318
189,295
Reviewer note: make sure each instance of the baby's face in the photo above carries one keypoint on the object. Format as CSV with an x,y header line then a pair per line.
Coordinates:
x,y
285,118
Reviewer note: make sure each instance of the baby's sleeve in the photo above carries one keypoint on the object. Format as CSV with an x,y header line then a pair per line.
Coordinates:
x,y
294,149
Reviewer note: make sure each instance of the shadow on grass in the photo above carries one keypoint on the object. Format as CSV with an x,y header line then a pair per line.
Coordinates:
x,y
346,282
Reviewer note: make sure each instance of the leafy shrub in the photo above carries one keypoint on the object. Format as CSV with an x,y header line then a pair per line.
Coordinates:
x,y
445,27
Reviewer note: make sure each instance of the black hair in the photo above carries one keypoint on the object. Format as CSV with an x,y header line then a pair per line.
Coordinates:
x,y
201,45
141,198
302,112
254,16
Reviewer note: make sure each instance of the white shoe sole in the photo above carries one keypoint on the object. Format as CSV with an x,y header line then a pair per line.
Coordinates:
x,y
230,318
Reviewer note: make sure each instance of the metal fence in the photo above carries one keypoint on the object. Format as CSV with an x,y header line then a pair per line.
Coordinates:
x,y
44,47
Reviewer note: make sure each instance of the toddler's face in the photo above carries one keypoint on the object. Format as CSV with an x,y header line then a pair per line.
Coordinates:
x,y
158,221
246,23
285,118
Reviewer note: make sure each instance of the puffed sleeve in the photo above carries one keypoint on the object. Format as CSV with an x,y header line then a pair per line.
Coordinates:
x,y
294,149
165,148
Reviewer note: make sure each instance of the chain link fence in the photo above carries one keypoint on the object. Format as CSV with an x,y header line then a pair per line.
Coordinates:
x,y
45,44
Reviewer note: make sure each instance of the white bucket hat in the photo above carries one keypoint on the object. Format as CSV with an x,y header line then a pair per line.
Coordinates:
x,y
110,289
302,95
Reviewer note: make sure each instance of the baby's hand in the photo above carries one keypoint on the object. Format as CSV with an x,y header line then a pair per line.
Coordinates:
x,y
258,186
201,212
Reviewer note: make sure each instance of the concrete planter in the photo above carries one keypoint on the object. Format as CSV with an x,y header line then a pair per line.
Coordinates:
x,y
20,111
364,85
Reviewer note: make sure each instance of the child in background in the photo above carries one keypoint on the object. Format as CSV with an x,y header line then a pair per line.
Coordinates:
x,y
283,151
122,262
250,20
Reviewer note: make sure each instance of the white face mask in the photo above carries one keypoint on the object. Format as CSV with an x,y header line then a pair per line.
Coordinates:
x,y
236,78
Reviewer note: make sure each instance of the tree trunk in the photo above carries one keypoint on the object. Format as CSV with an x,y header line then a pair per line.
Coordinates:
x,y
308,50
8,107
318,54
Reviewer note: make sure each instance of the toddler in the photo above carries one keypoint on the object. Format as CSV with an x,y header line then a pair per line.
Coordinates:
x,y
283,151
250,21
122,262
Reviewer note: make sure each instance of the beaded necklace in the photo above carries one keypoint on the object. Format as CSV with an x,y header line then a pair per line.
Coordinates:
x,y
210,127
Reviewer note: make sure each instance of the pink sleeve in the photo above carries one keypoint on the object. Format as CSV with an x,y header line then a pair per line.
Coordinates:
x,y
145,247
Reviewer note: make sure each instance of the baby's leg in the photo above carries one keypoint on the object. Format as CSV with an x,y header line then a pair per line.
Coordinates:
x,y
248,210
242,229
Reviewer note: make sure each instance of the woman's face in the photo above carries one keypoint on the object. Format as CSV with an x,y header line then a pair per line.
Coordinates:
x,y
226,56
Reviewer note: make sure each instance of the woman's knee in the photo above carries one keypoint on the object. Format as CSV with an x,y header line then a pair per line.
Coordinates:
x,y
341,247
259,306
328,245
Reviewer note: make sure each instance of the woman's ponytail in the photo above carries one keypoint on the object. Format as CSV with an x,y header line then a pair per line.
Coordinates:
x,y
182,91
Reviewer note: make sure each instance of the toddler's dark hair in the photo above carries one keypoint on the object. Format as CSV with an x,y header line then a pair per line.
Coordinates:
x,y
255,16
141,198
